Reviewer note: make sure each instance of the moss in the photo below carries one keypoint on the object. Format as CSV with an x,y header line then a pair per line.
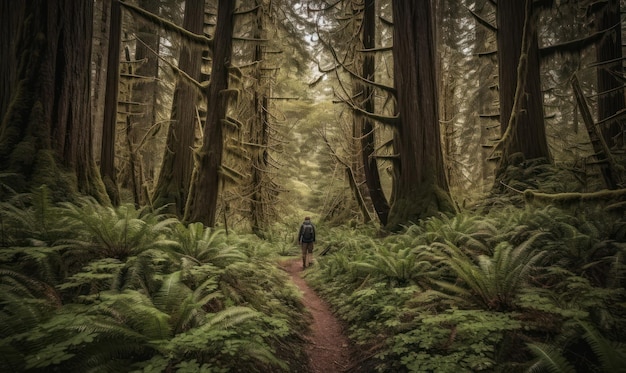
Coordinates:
x,y
422,203
568,199
47,172
111,189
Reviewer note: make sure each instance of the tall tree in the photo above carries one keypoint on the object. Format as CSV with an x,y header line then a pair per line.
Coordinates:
x,y
521,99
367,135
610,89
109,126
261,191
45,134
8,68
142,104
205,184
421,188
175,175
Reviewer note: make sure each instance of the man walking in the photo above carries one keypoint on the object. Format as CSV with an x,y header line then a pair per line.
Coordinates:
x,y
306,238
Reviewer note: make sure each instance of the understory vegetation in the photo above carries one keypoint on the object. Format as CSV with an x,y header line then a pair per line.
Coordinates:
x,y
90,288
513,289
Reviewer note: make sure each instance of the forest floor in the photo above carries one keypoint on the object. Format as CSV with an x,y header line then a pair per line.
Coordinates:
x,y
328,349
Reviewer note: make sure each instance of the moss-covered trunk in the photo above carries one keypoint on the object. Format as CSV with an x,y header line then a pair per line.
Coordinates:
x,y
175,176
204,191
45,134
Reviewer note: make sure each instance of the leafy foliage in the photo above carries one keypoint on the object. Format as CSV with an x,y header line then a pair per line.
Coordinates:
x,y
131,290
481,291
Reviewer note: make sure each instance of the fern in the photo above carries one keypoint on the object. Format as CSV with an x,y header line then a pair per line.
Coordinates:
x,y
612,356
198,245
550,359
494,282
32,220
404,267
116,232
606,356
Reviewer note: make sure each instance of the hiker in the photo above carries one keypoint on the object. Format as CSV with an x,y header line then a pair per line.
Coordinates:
x,y
306,238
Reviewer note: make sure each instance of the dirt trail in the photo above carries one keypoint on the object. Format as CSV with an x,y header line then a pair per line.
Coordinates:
x,y
328,348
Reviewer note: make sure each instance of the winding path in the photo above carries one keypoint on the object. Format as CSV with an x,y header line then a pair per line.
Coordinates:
x,y
328,348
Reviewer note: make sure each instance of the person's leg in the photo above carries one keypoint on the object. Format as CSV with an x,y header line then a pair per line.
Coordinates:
x,y
304,254
310,253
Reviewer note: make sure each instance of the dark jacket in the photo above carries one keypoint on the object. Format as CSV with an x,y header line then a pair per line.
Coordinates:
x,y
301,233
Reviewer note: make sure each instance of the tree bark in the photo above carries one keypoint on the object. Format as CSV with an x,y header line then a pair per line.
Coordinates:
x,y
611,99
203,196
368,137
45,135
107,150
175,176
262,195
10,14
528,135
422,188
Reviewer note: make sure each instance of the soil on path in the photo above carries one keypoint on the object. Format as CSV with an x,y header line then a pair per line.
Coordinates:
x,y
328,349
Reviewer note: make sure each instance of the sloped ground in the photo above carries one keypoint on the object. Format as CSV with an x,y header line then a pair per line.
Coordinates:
x,y
328,348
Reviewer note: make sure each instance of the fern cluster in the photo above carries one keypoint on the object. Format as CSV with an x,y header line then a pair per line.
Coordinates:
x,y
503,290
85,287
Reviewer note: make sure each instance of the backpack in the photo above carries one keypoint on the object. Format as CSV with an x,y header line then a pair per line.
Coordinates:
x,y
307,233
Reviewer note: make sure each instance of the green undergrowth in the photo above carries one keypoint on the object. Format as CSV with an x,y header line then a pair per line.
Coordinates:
x,y
511,290
87,288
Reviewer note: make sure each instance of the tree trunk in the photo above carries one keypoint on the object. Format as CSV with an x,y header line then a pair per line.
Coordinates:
x,y
422,189
99,55
144,93
45,135
261,193
527,136
175,177
368,138
611,92
107,153
10,14
203,196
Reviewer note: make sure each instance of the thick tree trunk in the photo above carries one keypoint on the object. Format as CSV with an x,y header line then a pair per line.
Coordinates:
x,y
368,138
202,203
48,123
422,189
175,177
107,152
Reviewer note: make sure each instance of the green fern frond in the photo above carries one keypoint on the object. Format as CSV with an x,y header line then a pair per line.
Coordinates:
x,y
612,356
548,358
495,281
117,232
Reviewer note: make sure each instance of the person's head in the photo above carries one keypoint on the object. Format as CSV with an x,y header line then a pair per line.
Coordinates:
x,y
307,219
